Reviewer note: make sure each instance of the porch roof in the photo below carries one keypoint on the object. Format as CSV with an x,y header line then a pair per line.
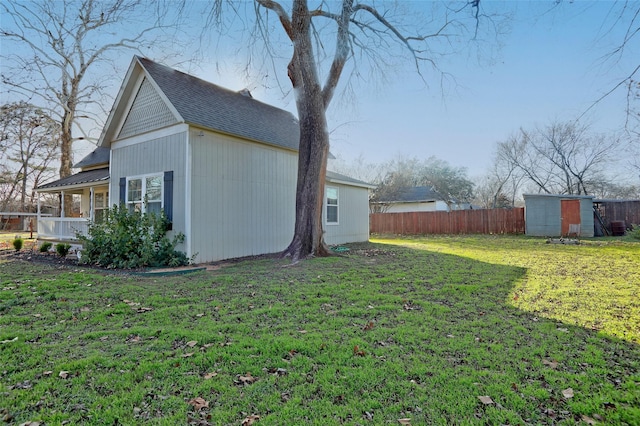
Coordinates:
x,y
82,179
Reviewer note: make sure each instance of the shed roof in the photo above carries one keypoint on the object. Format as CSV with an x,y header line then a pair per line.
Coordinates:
x,y
207,105
564,196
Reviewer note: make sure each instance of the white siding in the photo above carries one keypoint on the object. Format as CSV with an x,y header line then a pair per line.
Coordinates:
x,y
353,216
154,156
427,206
148,112
242,197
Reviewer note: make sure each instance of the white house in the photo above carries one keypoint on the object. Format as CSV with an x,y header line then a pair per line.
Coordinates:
x,y
416,199
222,166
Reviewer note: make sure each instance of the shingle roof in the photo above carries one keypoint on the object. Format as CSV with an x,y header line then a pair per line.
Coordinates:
x,y
204,104
88,176
413,195
333,176
99,155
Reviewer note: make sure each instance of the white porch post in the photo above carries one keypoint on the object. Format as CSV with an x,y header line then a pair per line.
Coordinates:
x,y
62,204
91,201
61,214
38,215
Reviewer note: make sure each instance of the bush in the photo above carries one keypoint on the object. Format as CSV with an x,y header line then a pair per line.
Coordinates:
x,y
17,243
634,232
63,249
45,246
131,240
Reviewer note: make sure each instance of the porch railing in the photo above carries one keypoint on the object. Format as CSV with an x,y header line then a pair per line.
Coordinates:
x,y
62,228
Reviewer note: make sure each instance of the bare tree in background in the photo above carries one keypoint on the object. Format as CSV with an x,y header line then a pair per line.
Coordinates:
x,y
324,38
500,186
29,142
49,48
449,183
562,158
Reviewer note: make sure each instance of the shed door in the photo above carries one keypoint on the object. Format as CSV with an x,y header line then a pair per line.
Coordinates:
x,y
569,213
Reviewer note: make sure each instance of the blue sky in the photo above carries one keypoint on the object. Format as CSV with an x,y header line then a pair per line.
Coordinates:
x,y
549,67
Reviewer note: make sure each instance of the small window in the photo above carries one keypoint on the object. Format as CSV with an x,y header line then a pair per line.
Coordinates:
x,y
100,204
144,194
332,205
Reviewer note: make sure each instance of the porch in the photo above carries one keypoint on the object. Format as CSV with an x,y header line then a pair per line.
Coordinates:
x,y
89,191
62,228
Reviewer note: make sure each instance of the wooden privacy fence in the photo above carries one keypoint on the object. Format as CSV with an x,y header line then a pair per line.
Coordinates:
x,y
629,211
485,221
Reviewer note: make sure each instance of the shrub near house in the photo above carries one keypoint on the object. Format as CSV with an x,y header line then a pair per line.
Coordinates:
x,y
127,239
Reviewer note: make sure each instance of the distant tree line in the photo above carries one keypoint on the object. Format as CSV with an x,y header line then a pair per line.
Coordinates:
x,y
560,158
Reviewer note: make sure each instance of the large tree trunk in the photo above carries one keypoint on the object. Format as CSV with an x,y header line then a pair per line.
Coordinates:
x,y
312,165
308,237
66,158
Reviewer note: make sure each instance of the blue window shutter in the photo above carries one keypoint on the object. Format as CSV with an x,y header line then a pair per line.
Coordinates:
x,y
123,190
168,197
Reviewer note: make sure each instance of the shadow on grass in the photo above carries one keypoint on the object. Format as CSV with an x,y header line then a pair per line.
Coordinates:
x,y
382,333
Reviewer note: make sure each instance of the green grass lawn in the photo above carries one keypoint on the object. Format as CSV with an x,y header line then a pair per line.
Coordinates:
x,y
401,329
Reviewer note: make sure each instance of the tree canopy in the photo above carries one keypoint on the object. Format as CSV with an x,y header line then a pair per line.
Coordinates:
x,y
325,37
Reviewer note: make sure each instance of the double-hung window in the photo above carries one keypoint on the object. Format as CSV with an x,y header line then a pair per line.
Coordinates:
x,y
144,194
332,205
100,206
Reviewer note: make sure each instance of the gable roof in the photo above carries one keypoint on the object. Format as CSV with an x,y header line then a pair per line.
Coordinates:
x,y
415,194
203,104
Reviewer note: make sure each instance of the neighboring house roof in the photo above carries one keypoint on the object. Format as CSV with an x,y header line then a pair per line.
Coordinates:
x,y
414,194
99,155
89,176
207,105
340,178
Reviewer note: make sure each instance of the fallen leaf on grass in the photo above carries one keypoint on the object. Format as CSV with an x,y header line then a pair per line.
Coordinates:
x,y
30,424
198,403
47,373
249,420
276,371
552,364
130,303
485,400
588,420
567,393
302,331
210,375
134,339
187,355
564,330
143,309
369,326
192,343
15,339
63,374
358,352
245,380
406,421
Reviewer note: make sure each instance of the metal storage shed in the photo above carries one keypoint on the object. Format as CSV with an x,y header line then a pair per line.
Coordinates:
x,y
552,215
